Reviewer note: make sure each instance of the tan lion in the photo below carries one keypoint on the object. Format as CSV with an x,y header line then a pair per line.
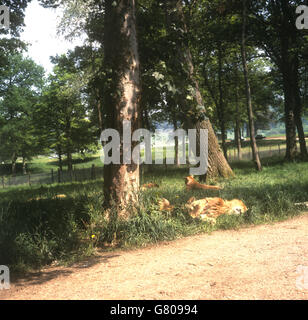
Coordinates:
x,y
191,184
209,209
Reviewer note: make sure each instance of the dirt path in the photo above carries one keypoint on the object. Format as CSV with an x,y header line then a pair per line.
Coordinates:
x,y
254,263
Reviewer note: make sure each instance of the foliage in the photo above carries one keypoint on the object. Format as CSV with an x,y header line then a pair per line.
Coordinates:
x,y
21,84
62,117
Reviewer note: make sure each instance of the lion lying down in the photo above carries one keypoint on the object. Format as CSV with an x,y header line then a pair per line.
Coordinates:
x,y
208,209
191,184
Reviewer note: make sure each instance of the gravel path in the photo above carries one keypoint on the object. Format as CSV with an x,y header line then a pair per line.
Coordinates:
x,y
252,263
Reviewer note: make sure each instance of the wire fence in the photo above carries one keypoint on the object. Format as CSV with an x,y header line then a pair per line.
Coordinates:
x,y
94,172
54,176
265,151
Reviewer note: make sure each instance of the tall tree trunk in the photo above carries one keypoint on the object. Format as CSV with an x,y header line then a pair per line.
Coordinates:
x,y
220,110
99,110
145,124
237,140
97,94
290,65
122,98
24,166
288,69
301,132
68,147
237,133
253,143
298,111
14,159
217,163
291,149
176,143
247,130
60,163
69,161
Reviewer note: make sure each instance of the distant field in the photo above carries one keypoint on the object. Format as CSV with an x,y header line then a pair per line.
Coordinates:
x,y
44,164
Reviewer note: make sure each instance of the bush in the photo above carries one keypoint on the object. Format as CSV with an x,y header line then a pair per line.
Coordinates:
x,y
36,233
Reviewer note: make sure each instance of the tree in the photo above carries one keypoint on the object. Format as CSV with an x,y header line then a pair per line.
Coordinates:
x,y
62,117
121,97
253,143
217,163
283,44
20,87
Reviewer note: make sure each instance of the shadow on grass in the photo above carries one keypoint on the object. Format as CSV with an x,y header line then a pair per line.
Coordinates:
x,y
26,193
6,169
249,164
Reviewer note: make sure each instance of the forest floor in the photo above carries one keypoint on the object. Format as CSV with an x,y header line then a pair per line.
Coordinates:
x,y
258,262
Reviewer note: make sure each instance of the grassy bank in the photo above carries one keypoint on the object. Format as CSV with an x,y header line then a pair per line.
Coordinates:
x,y
38,229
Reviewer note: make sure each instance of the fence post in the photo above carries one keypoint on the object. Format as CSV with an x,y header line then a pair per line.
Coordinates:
x,y
52,177
59,176
3,181
165,157
279,148
29,179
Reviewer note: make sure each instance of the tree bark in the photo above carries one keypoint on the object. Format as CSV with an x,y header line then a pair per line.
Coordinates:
x,y
297,107
60,160
220,109
176,144
69,161
237,132
253,143
217,163
218,166
24,166
122,99
14,159
289,67
99,110
291,149
97,95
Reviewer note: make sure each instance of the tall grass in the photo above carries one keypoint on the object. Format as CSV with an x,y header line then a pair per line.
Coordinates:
x,y
38,229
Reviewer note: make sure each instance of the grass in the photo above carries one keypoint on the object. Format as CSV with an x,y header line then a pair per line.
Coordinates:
x,y
44,164
45,230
